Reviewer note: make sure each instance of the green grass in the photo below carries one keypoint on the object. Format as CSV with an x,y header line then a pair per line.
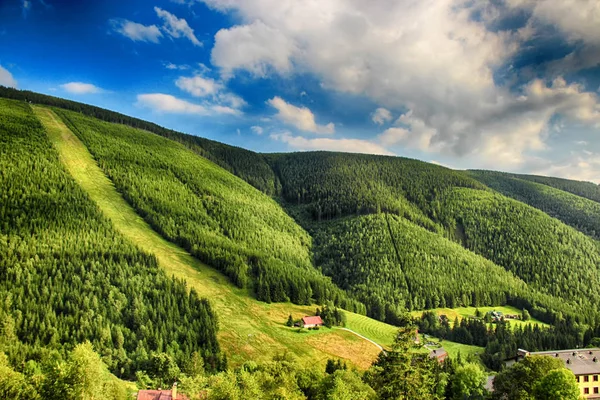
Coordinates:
x,y
377,331
465,312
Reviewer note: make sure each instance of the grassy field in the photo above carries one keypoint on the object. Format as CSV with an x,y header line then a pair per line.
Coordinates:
x,y
465,312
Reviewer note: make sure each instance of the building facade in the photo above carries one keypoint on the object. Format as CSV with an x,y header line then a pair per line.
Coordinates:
x,y
585,365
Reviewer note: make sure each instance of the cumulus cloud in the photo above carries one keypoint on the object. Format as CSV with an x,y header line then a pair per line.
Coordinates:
x,y
300,117
381,116
136,32
582,166
198,86
431,57
6,78
578,19
166,103
344,145
258,130
81,88
216,92
176,27
254,47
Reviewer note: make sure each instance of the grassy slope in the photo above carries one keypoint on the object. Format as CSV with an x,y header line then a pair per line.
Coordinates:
x,y
249,329
465,312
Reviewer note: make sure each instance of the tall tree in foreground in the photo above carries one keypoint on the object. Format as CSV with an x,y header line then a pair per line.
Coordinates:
x,y
401,374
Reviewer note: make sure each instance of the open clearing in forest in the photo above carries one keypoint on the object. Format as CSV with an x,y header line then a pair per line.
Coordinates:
x,y
249,329
466,312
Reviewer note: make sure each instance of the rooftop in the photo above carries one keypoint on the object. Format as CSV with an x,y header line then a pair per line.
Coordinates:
x,y
579,361
312,320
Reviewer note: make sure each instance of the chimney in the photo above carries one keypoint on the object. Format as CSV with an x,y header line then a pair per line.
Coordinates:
x,y
174,391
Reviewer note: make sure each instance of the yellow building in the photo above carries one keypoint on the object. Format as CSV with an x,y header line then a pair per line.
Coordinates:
x,y
585,365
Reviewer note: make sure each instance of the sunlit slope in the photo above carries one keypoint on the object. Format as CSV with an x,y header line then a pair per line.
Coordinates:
x,y
576,211
216,216
248,329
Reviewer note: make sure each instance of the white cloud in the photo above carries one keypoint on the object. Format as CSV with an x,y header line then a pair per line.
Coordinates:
x,y
254,47
172,66
431,57
579,19
198,86
583,166
166,103
176,27
300,117
6,78
258,130
344,145
381,116
136,32
81,88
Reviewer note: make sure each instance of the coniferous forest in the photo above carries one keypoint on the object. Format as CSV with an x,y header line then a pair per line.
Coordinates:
x,y
375,235
67,277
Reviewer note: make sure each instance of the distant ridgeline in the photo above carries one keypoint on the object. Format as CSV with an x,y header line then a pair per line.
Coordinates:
x,y
66,276
391,232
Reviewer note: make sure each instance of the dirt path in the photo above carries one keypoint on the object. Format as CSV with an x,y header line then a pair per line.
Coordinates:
x,y
249,329
363,337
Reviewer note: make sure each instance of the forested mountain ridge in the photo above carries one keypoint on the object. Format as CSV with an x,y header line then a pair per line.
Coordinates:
x,y
213,214
66,276
576,211
321,186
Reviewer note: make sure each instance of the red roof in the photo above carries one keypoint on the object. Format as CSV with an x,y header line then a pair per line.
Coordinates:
x,y
158,395
312,320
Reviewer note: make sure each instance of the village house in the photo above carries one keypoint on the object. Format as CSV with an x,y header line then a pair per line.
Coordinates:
x,y
311,322
584,363
161,394
439,354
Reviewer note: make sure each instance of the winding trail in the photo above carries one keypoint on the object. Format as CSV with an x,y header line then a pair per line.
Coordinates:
x,y
249,329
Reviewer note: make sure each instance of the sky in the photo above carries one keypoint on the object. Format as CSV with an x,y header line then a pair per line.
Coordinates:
x,y
511,85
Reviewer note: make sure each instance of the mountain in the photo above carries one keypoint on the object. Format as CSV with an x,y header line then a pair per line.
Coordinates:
x,y
374,235
545,194
67,276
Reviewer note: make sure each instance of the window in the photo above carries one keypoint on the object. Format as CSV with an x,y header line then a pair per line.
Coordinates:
x,y
586,378
596,390
577,379
595,378
586,390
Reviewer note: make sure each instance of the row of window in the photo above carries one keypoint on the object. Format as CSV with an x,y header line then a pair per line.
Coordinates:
x,y
586,378
587,390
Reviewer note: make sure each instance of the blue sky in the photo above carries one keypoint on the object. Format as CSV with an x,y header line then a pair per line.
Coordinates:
x,y
505,84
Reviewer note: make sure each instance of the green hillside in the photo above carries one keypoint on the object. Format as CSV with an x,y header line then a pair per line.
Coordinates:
x,y
249,329
578,212
67,276
219,218
588,190
550,256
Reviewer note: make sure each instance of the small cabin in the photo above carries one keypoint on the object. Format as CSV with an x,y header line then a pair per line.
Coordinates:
x,y
439,354
311,322
161,394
